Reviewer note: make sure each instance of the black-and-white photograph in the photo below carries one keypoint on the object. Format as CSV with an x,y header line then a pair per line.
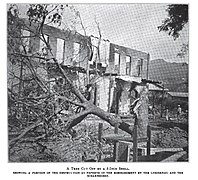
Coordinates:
x,y
97,82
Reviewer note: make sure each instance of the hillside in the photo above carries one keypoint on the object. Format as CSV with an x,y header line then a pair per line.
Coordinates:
x,y
173,75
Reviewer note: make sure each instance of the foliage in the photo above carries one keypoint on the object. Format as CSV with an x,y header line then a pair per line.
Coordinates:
x,y
176,20
183,51
43,108
170,138
32,102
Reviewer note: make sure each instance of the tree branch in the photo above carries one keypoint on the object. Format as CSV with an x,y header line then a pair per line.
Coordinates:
x,y
31,56
75,90
25,131
71,101
76,119
92,109
112,120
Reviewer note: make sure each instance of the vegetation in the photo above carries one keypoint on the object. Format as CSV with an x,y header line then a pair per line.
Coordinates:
x,y
175,23
39,130
33,116
176,20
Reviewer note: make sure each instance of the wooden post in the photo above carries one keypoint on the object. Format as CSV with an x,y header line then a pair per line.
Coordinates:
x,y
115,150
116,129
153,100
116,104
100,140
148,140
161,114
147,72
135,149
109,100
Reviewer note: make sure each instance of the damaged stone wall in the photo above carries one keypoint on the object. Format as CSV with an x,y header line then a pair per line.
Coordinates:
x,y
124,105
134,55
105,91
142,110
126,93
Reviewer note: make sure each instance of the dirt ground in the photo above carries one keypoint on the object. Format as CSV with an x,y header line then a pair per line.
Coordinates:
x,y
85,143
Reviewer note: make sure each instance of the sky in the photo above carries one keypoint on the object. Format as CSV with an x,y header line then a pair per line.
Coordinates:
x,y
131,25
135,26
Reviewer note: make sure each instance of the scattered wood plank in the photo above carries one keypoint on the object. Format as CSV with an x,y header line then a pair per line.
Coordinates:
x,y
116,137
99,140
174,157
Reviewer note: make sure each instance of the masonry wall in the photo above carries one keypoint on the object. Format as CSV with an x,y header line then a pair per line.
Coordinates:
x,y
103,96
35,48
124,104
142,111
133,54
69,37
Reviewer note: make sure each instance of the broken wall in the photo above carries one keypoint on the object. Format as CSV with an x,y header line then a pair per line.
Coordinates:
x,y
105,90
135,57
126,93
142,111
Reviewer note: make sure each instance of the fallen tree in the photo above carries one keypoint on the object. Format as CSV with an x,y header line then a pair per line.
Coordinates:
x,y
30,105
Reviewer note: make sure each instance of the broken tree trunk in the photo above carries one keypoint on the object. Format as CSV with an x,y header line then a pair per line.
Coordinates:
x,y
141,110
90,108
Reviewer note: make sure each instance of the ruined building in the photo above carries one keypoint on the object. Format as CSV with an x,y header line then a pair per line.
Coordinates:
x,y
116,66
